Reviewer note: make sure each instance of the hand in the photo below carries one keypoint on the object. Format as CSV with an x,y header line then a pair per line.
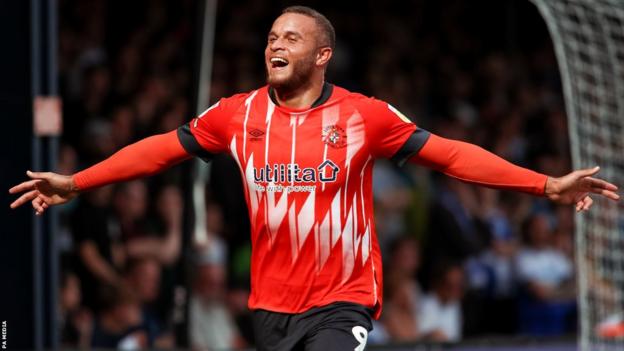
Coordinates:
x,y
44,189
575,187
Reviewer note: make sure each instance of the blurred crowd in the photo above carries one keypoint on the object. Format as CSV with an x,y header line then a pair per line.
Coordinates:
x,y
460,261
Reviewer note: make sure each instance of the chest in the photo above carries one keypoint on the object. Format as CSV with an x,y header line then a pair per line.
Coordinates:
x,y
322,146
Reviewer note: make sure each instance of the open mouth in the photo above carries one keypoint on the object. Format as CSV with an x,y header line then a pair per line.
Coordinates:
x,y
278,62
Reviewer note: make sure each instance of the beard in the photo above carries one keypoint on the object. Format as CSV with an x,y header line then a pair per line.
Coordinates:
x,y
300,76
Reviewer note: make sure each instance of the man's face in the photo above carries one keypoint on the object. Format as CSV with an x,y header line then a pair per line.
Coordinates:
x,y
291,51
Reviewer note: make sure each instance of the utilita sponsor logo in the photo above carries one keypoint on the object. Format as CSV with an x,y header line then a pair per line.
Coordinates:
x,y
292,172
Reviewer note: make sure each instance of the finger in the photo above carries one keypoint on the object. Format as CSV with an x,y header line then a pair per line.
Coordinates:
x,y
28,185
38,205
39,175
579,205
587,202
46,199
601,184
610,195
587,172
24,198
583,204
581,201
41,205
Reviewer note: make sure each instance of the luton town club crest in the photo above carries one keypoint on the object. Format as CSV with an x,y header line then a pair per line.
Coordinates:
x,y
334,136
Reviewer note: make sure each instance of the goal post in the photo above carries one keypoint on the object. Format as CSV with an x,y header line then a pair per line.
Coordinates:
x,y
588,37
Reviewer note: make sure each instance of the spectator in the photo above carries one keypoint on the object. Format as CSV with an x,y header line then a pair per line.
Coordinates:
x,y
237,271
130,202
403,293
457,230
97,234
392,198
142,276
497,310
542,268
440,310
211,323
118,323
75,320
547,278
400,322
162,243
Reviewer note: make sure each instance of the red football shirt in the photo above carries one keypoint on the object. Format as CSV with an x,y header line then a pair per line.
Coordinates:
x,y
307,177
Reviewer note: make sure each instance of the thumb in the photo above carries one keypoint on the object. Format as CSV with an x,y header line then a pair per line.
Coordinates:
x,y
39,175
587,172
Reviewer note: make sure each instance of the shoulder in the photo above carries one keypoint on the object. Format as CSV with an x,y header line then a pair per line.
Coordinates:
x,y
368,105
376,111
236,98
230,104
239,99
357,99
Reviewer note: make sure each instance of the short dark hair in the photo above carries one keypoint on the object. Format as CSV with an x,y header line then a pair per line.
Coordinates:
x,y
325,26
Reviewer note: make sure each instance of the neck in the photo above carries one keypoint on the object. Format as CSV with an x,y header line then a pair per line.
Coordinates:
x,y
302,97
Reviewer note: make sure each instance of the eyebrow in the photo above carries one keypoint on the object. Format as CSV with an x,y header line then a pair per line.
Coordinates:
x,y
287,33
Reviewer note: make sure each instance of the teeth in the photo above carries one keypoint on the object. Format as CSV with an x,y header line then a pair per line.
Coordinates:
x,y
279,59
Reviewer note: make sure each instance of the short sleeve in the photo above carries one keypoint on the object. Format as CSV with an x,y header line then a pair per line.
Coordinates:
x,y
206,135
391,134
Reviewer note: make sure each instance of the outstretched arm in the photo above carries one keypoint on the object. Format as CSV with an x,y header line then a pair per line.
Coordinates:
x,y
473,164
143,158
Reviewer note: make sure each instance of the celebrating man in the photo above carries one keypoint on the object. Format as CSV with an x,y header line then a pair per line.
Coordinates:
x,y
305,149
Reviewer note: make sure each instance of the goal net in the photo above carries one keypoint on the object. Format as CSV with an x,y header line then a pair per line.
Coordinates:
x,y
588,36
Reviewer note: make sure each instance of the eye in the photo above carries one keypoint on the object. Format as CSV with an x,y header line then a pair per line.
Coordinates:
x,y
292,40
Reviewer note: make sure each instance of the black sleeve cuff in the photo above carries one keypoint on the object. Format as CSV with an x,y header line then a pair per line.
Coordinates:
x,y
190,144
412,146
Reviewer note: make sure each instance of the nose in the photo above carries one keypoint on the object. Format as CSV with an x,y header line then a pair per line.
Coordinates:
x,y
276,45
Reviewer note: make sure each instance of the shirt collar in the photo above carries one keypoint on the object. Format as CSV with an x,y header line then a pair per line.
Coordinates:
x,y
325,94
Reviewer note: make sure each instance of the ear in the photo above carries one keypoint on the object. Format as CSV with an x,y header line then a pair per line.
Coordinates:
x,y
323,56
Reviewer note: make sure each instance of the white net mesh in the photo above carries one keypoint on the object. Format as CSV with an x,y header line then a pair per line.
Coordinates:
x,y
588,36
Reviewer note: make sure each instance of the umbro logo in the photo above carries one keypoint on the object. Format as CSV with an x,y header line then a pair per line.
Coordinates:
x,y
256,134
